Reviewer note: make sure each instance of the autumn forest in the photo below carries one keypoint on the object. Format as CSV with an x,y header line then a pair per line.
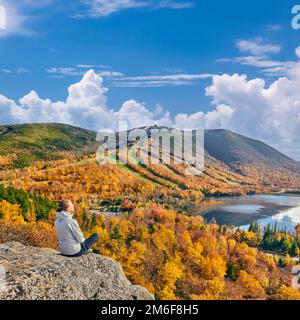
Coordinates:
x,y
147,216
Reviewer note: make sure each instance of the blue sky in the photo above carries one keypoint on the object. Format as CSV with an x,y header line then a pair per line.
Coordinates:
x,y
161,54
141,42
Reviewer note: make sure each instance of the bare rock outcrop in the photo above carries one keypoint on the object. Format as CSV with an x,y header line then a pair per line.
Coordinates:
x,y
32,273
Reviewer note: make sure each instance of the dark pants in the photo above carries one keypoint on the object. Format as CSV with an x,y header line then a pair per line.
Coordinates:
x,y
87,244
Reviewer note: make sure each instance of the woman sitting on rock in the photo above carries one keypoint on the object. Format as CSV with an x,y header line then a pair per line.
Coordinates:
x,y
71,239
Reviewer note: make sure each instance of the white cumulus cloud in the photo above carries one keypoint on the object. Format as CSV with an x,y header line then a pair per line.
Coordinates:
x,y
248,106
270,113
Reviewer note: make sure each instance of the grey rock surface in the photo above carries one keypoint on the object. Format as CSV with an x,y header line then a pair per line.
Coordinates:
x,y
43,274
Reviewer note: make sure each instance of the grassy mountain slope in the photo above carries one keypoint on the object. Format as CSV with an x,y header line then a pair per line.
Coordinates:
x,y
253,158
234,163
235,149
20,145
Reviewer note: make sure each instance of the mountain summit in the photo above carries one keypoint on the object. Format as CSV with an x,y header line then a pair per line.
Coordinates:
x,y
231,159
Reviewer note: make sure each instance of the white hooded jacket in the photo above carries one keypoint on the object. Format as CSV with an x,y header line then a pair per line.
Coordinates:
x,y
69,234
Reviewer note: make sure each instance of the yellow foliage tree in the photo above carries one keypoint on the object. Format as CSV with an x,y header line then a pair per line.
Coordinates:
x,y
171,271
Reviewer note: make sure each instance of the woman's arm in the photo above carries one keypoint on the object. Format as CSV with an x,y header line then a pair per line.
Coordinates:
x,y
76,231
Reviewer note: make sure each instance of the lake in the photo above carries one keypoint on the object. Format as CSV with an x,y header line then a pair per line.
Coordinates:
x,y
282,209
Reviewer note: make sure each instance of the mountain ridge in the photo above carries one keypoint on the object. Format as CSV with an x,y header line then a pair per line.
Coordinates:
x,y
33,142
83,136
231,159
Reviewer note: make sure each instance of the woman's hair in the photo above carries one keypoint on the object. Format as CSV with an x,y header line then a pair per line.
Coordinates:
x,y
64,205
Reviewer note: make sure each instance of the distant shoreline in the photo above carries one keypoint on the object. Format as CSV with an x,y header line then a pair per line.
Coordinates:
x,y
290,192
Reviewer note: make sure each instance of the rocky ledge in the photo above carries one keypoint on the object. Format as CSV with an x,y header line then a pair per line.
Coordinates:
x,y
43,274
